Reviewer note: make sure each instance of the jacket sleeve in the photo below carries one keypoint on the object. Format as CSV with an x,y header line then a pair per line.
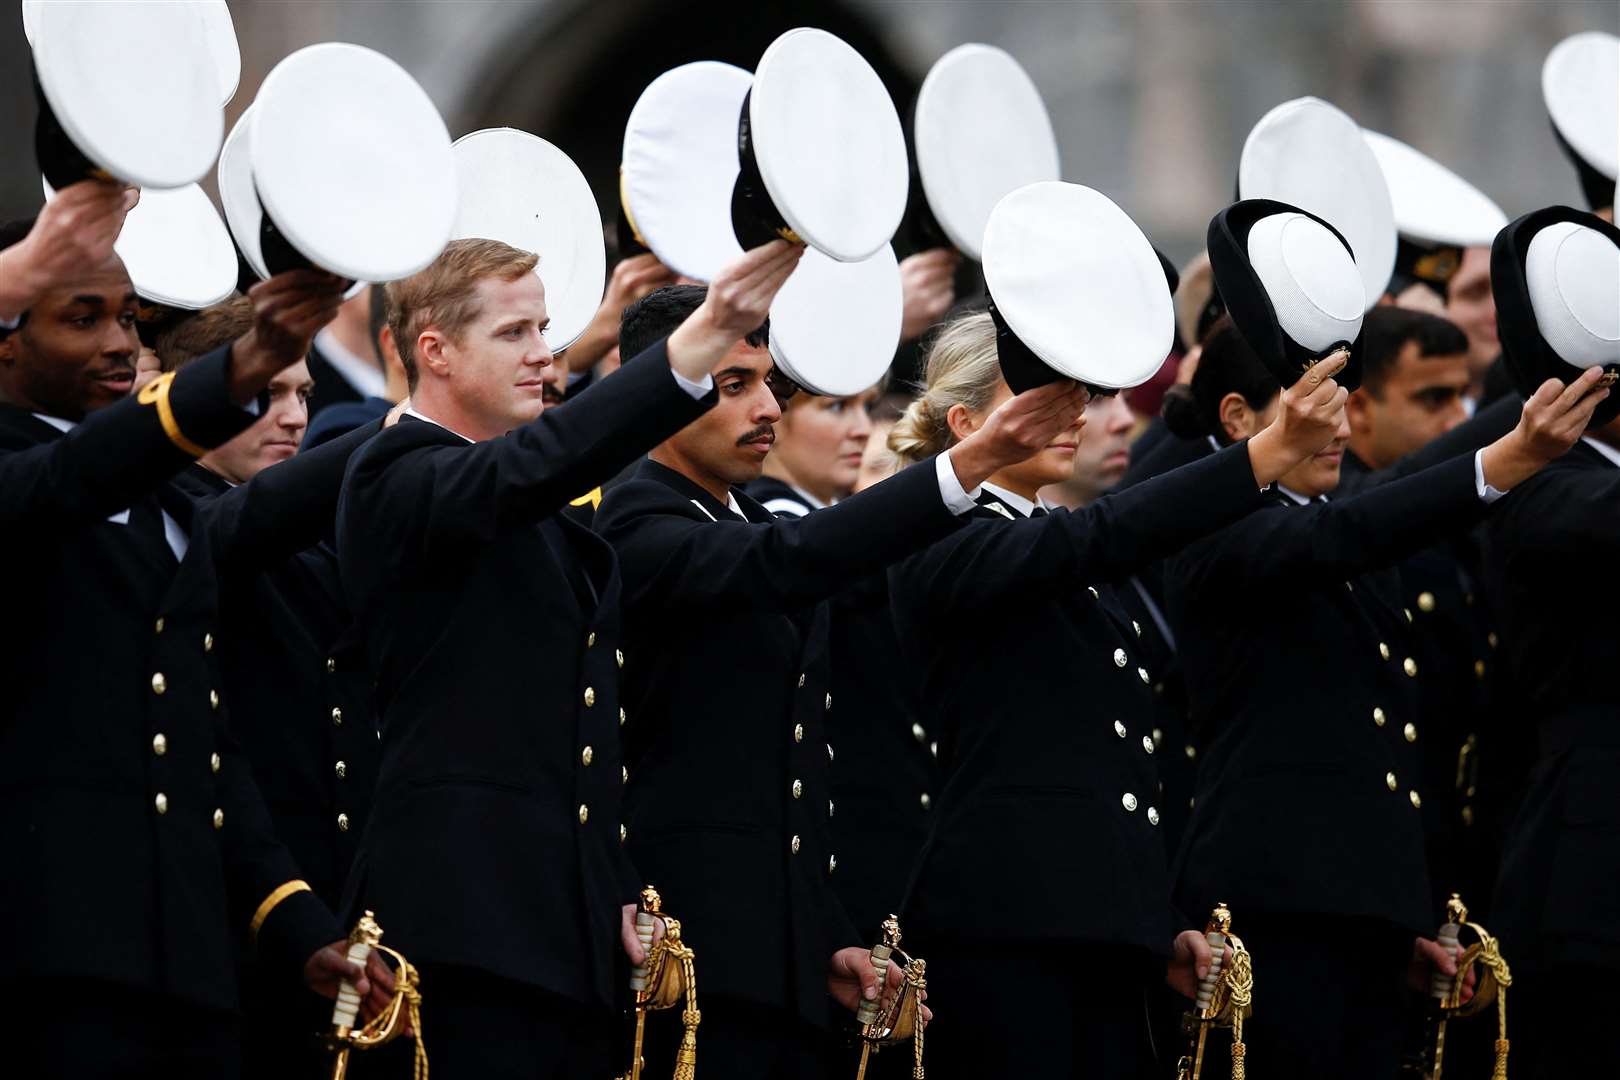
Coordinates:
x,y
283,510
1327,541
1478,431
1106,541
269,902
441,499
123,452
670,556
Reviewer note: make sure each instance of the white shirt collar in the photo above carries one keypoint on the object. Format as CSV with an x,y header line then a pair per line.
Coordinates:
x,y
410,410
1601,447
64,426
173,534
1302,500
1014,500
366,377
809,500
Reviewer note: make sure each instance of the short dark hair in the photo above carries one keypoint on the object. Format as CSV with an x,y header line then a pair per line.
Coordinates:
x,y
197,333
13,233
1226,366
1385,332
377,314
655,316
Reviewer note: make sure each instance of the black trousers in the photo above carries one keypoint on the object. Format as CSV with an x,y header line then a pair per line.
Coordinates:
x,y
1036,1010
1555,1023
281,1026
740,1040
75,1029
1330,997
478,1026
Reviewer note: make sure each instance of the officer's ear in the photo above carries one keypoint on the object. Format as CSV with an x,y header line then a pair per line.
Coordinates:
x,y
8,346
1237,419
432,351
1358,408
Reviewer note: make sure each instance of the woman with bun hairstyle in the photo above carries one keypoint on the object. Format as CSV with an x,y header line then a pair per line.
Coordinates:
x,y
1297,656
1042,901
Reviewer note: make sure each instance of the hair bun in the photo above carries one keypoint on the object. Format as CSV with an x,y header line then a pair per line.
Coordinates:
x,y
1180,412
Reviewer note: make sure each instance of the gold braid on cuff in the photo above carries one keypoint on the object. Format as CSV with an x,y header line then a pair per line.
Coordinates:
x,y
156,393
270,903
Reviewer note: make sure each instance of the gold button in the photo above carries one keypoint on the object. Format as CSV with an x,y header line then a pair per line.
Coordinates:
x,y
1119,657
829,752
1490,639
1425,602
590,696
590,639
618,655
331,665
219,818
159,683
621,716
798,732
1143,675
801,680
1409,666
1128,801
586,755
1389,781
918,732
343,823
213,699
1417,800
159,625
1410,731
161,803
213,762
160,744
342,770
624,774
584,813
1092,589
926,800
1468,815
829,701
623,833
337,717
1378,715
1383,650
208,643
1192,751
1147,743
794,844
1137,627
1479,669
832,863
798,788
1153,815
1119,729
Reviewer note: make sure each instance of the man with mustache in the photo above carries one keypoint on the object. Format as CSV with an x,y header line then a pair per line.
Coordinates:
x,y
138,856
725,690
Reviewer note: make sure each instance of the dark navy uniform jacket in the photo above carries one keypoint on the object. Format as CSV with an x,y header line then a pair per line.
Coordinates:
x,y
137,849
491,624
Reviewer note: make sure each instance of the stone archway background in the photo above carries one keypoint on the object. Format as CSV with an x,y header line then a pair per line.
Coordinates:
x,y
576,74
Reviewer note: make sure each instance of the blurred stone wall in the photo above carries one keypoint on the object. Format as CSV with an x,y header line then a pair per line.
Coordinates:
x,y
1150,100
